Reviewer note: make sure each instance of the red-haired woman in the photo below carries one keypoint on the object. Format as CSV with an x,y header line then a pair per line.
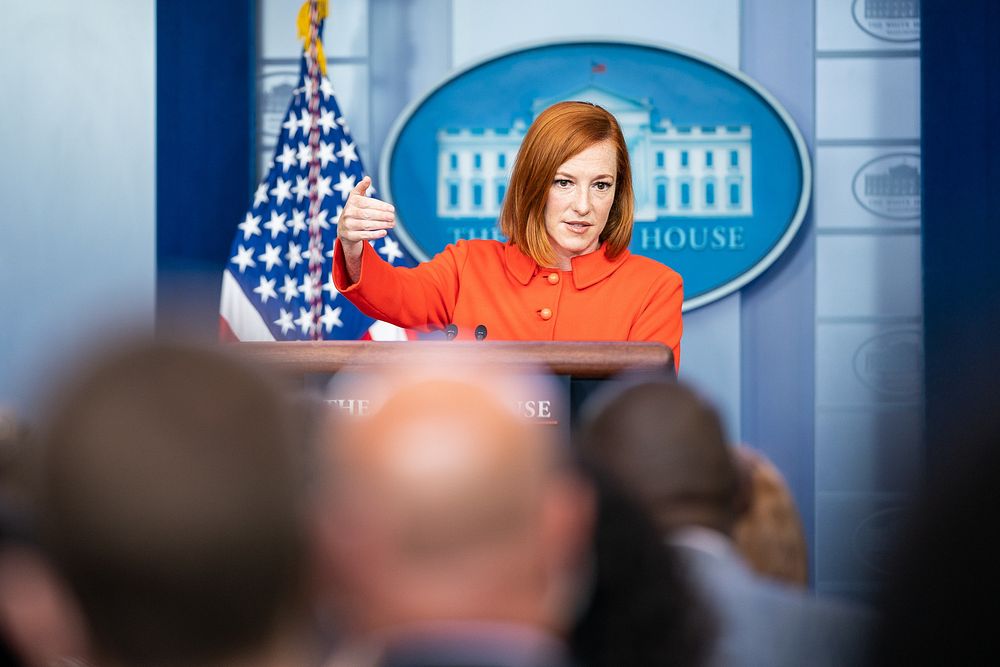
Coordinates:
x,y
566,272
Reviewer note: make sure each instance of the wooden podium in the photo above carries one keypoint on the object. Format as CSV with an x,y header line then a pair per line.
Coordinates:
x,y
580,366
576,359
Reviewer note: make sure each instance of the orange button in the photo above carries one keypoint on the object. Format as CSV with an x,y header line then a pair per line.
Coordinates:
x,y
545,313
553,278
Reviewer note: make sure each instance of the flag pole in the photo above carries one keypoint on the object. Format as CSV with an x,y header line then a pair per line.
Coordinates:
x,y
315,233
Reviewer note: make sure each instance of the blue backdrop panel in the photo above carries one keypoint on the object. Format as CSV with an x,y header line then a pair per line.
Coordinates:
x,y
960,116
205,64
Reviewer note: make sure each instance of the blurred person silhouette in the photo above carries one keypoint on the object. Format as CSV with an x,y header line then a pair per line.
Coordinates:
x,y
39,623
170,498
935,606
667,447
456,532
640,608
769,534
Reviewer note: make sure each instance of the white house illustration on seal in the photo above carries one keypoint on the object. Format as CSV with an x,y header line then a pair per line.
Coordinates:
x,y
679,171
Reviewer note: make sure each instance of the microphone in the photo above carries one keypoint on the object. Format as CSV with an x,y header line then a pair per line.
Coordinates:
x,y
481,332
450,331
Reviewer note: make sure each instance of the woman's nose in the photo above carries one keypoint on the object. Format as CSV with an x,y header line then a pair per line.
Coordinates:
x,y
581,202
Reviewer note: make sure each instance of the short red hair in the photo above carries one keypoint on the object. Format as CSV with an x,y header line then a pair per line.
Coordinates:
x,y
558,133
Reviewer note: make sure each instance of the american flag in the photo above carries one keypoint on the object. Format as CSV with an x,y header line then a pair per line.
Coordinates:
x,y
269,291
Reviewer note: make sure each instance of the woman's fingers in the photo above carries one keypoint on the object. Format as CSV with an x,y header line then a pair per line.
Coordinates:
x,y
362,187
368,214
363,217
365,213
360,197
363,235
364,203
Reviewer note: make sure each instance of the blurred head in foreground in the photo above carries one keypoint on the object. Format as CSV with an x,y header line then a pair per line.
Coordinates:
x,y
769,535
668,447
169,499
444,506
641,610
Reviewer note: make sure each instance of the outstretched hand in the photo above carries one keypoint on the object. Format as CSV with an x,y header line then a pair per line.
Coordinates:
x,y
363,219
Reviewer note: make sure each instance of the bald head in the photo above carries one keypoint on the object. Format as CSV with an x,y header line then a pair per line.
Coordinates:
x,y
667,446
464,506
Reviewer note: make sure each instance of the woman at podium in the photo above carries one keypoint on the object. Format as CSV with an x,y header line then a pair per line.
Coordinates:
x,y
565,273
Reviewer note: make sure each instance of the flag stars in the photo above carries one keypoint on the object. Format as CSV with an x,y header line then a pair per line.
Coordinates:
x,y
287,158
327,122
304,155
290,289
309,288
271,256
319,221
348,153
292,125
285,321
345,185
243,258
294,255
323,187
305,321
301,188
298,221
315,252
390,248
250,226
326,153
282,190
330,287
326,88
305,121
276,225
331,318
266,289
260,197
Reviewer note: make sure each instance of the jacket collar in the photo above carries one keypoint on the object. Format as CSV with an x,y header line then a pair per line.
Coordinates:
x,y
588,269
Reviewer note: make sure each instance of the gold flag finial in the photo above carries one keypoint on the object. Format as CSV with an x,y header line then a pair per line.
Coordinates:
x,y
303,29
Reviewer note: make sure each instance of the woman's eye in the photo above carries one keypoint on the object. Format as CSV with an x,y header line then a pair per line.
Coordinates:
x,y
602,185
562,182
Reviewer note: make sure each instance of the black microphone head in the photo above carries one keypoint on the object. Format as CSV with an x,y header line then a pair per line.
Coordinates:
x,y
481,332
450,331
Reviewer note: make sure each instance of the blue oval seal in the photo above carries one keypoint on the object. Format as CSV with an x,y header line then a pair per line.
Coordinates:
x,y
721,173
889,186
888,20
892,363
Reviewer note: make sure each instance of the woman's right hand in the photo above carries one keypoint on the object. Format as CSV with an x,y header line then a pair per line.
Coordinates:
x,y
363,219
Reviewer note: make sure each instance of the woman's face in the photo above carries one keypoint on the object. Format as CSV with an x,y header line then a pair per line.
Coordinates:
x,y
580,198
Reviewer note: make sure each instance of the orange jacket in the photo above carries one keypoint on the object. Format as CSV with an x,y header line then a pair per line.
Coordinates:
x,y
486,282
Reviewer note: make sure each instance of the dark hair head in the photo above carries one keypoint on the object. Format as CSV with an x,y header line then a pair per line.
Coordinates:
x,y
667,445
169,500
